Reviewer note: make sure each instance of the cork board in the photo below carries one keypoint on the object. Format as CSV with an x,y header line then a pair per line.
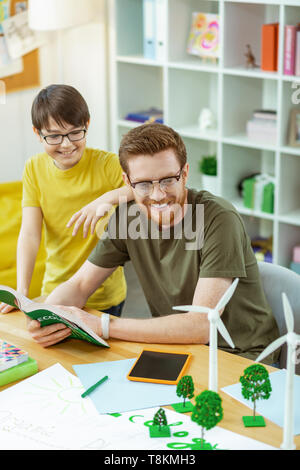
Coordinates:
x,y
30,77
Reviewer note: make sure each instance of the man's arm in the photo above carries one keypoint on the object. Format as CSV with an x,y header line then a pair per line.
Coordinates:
x,y
182,328
76,290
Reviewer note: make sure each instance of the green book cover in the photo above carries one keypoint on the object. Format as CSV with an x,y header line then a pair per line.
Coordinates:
x,y
18,372
49,314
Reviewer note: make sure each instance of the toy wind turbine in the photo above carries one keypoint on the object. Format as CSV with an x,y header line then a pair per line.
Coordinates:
x,y
292,339
215,325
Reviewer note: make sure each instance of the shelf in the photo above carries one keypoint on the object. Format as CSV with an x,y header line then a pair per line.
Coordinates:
x,y
193,132
138,60
292,218
238,204
183,85
194,65
242,71
290,150
129,124
243,141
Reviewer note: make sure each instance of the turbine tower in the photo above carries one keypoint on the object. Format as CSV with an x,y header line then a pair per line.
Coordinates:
x,y
292,340
215,325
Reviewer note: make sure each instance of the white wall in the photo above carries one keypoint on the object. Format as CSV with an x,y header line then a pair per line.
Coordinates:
x,y
83,66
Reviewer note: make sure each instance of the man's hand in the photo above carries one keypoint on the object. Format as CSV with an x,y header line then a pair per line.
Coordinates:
x,y
89,216
52,334
47,335
92,321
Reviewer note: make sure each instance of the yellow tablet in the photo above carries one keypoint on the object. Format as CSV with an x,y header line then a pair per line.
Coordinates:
x,y
159,366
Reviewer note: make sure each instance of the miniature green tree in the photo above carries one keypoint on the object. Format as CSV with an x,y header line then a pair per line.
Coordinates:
x,y
160,418
208,412
185,389
256,385
160,426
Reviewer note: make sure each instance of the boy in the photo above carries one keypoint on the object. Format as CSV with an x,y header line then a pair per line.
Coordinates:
x,y
59,182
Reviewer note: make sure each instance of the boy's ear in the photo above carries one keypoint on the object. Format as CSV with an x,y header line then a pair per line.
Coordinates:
x,y
37,133
125,179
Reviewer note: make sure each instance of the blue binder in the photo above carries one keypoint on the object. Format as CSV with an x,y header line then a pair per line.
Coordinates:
x,y
149,24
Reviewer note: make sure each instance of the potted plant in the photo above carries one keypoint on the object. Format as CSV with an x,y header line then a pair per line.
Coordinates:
x,y
208,168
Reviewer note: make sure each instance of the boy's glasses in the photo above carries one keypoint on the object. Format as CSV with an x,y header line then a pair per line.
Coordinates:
x,y
57,139
145,188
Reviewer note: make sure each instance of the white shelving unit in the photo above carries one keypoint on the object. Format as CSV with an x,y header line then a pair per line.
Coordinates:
x,y
182,85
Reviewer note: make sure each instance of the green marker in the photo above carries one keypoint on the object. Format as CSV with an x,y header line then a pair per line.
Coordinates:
x,y
89,390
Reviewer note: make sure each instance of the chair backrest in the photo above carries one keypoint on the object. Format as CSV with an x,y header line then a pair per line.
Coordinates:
x,y
277,279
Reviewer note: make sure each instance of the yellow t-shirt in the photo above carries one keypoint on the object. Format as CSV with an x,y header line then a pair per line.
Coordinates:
x,y
61,193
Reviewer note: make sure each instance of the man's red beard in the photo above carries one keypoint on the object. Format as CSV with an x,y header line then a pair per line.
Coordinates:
x,y
171,213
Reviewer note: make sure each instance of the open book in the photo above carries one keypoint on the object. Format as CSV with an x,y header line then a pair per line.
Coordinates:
x,y
48,314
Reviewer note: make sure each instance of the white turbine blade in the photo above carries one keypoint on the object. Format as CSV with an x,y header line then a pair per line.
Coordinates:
x,y
223,331
272,347
192,308
288,313
227,295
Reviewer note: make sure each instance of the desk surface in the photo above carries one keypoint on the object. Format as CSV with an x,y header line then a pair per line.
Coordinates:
x,y
71,351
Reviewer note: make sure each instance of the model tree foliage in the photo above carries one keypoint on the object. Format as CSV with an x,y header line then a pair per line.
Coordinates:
x,y
208,411
160,418
256,384
185,388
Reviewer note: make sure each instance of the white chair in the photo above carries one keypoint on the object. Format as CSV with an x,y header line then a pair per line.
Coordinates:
x,y
277,279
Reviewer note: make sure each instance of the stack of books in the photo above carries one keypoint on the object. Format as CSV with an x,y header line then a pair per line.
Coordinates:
x,y
291,56
263,126
263,248
15,363
150,115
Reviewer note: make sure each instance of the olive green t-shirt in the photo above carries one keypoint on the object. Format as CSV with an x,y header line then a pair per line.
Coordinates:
x,y
169,264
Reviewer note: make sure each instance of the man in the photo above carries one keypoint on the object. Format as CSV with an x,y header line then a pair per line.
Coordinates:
x,y
171,271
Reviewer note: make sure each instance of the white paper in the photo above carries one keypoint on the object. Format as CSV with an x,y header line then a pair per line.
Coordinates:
x,y
46,411
8,66
19,37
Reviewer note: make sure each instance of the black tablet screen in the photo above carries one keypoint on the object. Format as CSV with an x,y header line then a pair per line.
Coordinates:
x,y
159,365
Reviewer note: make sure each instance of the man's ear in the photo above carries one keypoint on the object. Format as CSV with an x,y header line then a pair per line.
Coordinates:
x,y
87,124
185,172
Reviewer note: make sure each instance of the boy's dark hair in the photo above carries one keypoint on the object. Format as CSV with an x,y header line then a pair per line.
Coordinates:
x,y
149,139
63,103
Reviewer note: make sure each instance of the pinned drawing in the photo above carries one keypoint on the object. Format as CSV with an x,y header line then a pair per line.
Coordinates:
x,y
203,39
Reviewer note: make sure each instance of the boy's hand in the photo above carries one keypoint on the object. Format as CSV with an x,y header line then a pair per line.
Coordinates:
x,y
4,308
89,216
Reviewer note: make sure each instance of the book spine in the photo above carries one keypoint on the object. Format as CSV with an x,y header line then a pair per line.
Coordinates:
x,y
297,54
149,28
161,29
289,49
269,48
